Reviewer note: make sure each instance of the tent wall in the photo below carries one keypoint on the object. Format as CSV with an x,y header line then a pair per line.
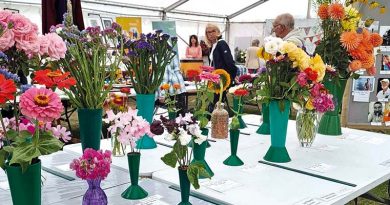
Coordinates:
x,y
242,34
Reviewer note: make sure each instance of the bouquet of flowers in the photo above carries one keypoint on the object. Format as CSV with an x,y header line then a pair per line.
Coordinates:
x,y
239,92
182,130
147,58
170,103
92,164
346,45
127,127
90,60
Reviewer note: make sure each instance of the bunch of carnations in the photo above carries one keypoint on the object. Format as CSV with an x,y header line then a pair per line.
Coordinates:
x,y
92,164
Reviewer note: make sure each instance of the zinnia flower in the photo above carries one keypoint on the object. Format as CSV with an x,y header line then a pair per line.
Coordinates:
x,y
246,78
193,74
376,40
241,92
336,11
207,68
165,86
41,104
224,77
52,79
355,65
210,77
323,11
7,89
350,40
176,86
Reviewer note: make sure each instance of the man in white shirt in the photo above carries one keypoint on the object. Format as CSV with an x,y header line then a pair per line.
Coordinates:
x,y
384,94
283,26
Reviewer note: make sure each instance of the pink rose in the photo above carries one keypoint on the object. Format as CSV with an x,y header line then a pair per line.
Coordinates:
x,y
57,47
29,43
22,26
43,45
7,40
4,15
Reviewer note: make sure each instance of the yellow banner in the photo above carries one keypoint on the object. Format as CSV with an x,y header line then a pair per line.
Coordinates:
x,y
133,26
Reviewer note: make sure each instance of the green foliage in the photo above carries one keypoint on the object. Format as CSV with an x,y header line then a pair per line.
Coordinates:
x,y
170,159
194,171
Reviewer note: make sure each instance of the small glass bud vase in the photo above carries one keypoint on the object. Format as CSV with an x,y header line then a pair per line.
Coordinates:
x,y
219,122
307,126
117,148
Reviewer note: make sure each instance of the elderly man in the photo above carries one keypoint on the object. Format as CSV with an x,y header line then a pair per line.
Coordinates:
x,y
283,26
383,95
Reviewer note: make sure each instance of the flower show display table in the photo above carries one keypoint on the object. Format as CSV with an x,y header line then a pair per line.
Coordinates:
x,y
150,158
159,194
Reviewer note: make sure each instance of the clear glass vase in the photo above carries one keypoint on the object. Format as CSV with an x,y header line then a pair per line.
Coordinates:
x,y
307,126
219,122
117,148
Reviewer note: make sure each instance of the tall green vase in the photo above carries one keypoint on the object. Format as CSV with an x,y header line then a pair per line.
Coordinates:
x,y
205,132
172,115
233,159
330,123
145,106
199,151
90,122
264,127
134,191
25,187
184,187
236,100
278,121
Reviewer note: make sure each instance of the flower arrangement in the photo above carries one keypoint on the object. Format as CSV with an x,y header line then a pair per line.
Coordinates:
x,y
170,103
204,96
147,58
90,60
54,79
128,127
92,164
239,91
240,55
346,46
182,130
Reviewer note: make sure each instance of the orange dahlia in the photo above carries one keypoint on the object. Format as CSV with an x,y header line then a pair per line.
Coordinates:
x,y
371,70
355,65
368,62
358,54
350,40
336,11
376,40
323,11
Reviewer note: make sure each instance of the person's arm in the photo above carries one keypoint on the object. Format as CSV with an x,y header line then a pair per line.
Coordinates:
x,y
369,117
247,58
227,56
188,53
198,52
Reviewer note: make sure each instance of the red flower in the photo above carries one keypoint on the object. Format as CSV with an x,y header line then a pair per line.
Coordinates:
x,y
125,90
52,79
311,74
7,89
245,78
241,92
193,74
106,86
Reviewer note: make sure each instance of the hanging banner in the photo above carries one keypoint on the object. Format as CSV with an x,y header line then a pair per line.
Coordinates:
x,y
133,26
168,27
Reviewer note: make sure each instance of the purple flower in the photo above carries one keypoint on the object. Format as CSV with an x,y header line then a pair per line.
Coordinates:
x,y
159,31
165,36
144,45
262,70
156,127
323,102
10,75
93,31
24,88
174,39
3,57
116,26
132,54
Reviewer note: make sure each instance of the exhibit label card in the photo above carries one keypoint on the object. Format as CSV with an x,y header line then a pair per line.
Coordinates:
x,y
63,167
321,167
221,185
153,200
361,96
309,201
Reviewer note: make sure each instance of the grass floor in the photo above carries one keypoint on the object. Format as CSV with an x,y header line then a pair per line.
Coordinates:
x,y
380,190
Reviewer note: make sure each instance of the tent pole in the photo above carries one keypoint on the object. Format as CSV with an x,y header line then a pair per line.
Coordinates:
x,y
308,9
227,30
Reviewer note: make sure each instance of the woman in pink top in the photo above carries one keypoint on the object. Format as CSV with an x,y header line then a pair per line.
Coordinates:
x,y
194,50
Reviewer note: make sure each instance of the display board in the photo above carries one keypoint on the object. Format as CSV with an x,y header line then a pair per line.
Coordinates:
x,y
133,26
168,27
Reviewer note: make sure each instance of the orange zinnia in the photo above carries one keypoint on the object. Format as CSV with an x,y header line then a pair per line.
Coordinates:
x,y
165,86
323,11
52,79
350,40
376,40
336,11
176,86
7,89
355,65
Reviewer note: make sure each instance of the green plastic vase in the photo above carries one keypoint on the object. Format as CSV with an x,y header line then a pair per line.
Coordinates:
x,y
205,132
184,187
264,127
90,123
172,115
145,106
236,100
134,191
278,121
25,187
199,151
330,123
233,159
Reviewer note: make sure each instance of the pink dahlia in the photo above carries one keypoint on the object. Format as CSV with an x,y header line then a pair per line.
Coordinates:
x,y
41,104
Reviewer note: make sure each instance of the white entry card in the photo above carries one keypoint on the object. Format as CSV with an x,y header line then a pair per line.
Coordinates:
x,y
153,200
361,96
63,167
309,201
221,185
321,167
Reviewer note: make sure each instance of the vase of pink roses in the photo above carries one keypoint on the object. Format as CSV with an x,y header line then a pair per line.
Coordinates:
x,y
93,166
130,128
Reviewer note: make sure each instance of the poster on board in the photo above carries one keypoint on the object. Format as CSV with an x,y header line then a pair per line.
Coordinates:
x,y
133,26
168,27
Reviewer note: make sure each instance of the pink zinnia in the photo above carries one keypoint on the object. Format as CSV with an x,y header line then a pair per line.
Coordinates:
x,y
209,77
207,68
41,104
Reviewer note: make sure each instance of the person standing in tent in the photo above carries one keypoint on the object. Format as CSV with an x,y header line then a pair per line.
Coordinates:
x,y
252,62
220,56
283,27
194,50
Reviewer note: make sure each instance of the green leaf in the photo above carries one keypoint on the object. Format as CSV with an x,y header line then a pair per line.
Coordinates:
x,y
11,135
8,149
235,124
284,84
180,150
202,169
203,121
3,155
193,175
170,159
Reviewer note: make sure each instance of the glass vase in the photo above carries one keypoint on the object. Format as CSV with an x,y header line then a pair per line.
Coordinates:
x,y
219,122
307,126
117,148
95,194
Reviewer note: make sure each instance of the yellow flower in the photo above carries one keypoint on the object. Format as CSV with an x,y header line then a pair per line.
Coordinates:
x,y
224,76
373,5
300,59
263,55
309,104
288,47
382,10
318,65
